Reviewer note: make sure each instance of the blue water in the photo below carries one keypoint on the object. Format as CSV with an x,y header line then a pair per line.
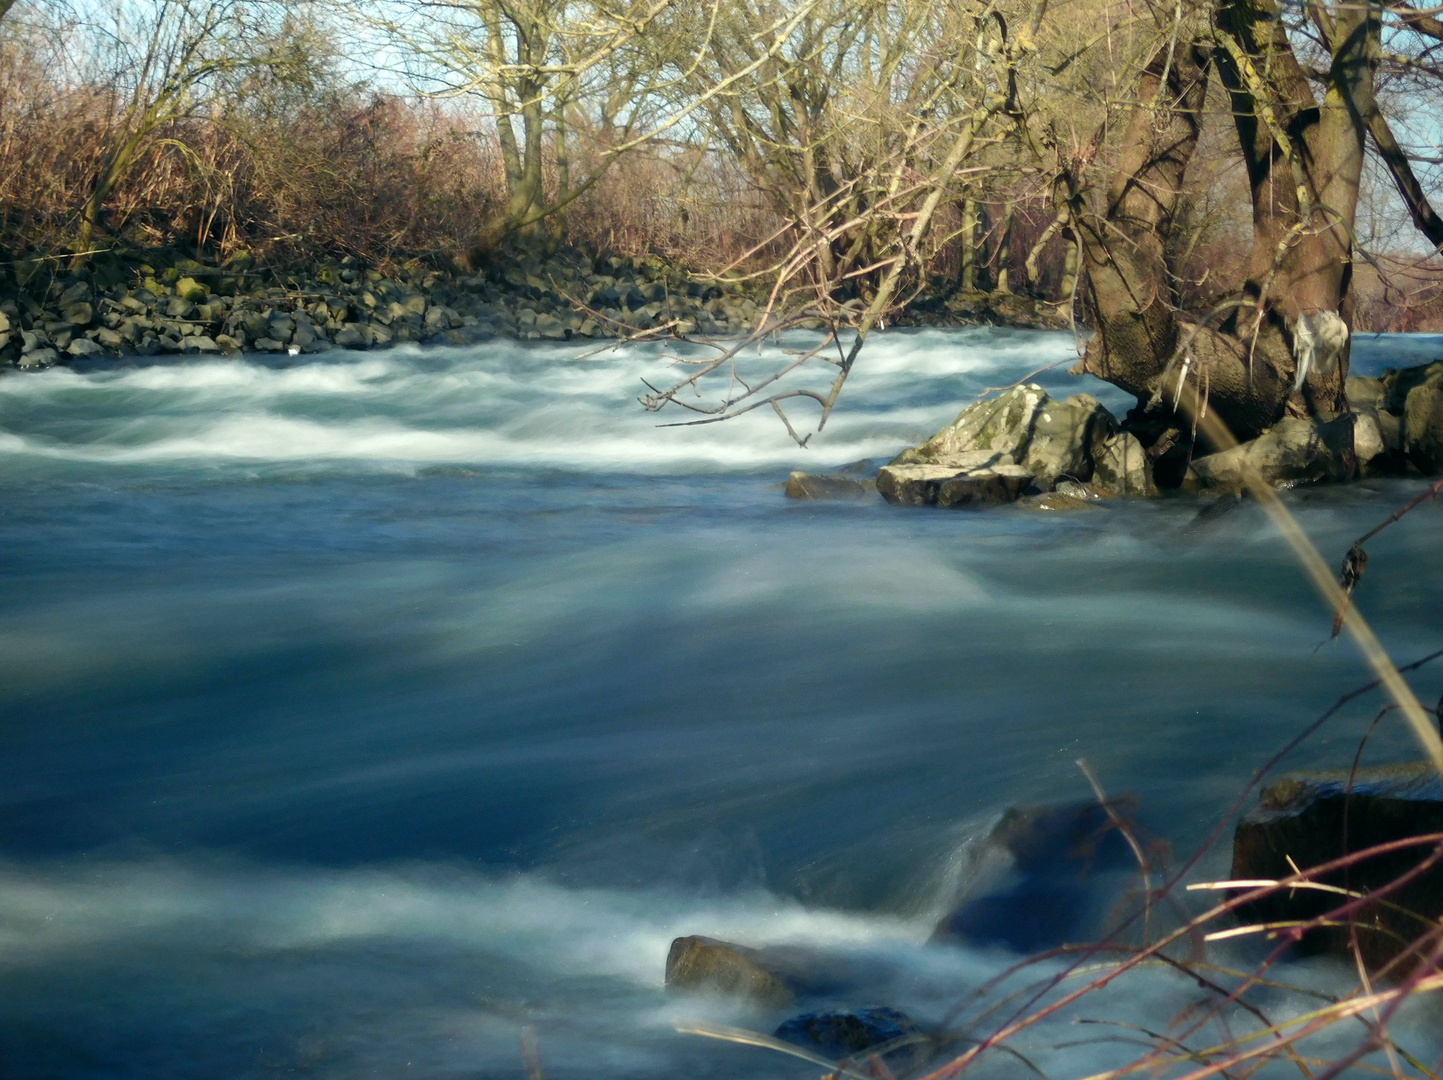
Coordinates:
x,y
359,712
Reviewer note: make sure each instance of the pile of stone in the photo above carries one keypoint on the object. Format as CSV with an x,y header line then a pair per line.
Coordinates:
x,y
181,306
191,308
1061,454
1024,445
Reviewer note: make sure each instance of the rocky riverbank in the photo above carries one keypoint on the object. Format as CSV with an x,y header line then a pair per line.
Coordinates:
x,y
131,306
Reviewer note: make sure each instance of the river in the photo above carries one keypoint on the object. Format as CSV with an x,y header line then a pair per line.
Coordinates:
x,y
361,710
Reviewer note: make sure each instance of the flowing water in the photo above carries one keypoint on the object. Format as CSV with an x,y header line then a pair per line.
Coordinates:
x,y
360,711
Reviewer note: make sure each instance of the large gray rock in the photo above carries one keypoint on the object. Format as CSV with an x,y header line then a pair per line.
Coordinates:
x,y
1023,440
999,426
1423,426
1294,450
1300,822
1375,439
1120,466
1062,439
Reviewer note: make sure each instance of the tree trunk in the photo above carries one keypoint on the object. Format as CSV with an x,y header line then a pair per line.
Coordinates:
x,y
1304,163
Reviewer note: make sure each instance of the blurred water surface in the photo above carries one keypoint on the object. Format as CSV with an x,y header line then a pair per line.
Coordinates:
x,y
359,711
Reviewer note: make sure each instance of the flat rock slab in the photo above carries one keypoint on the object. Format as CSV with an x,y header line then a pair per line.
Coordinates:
x,y
1301,818
804,485
1000,481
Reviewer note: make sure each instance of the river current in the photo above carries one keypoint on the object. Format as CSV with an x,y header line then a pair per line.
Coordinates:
x,y
360,711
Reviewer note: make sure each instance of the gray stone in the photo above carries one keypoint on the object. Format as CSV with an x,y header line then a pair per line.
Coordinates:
x,y
1423,426
1370,443
39,358
1062,437
200,344
229,344
1365,391
267,344
79,313
1398,383
109,338
177,307
439,317
82,348
1294,450
351,336
1120,466
1001,425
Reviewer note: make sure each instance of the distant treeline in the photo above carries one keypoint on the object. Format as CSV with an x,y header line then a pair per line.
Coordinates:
x,y
806,139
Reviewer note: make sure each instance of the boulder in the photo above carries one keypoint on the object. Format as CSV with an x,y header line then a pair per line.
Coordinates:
x,y
199,343
1062,436
1050,441
1375,441
39,358
1365,391
1120,466
1000,426
1398,383
1044,876
838,1035
1294,450
1423,426
177,307
701,964
803,485
1301,818
83,348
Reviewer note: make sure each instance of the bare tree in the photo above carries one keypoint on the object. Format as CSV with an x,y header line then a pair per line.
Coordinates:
x,y
160,63
859,122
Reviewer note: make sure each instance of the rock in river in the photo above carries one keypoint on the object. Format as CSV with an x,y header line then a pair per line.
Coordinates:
x,y
1044,876
1299,821
838,1035
1022,441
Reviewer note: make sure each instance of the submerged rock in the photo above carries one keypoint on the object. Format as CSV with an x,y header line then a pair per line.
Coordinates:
x,y
1043,877
804,485
1300,821
839,1035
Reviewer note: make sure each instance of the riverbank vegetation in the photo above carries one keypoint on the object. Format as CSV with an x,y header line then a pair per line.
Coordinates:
x,y
819,142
